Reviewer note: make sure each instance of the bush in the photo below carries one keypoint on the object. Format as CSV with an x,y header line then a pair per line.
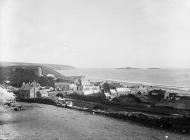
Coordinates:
x,y
100,107
59,95
40,100
123,99
160,94
101,98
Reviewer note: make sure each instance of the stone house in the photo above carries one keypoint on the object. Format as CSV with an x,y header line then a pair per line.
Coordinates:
x,y
28,91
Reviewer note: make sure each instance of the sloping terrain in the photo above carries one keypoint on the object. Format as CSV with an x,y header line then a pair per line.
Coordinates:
x,y
51,66
19,73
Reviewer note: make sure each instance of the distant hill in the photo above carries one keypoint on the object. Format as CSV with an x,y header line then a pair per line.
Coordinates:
x,y
153,68
128,68
51,66
47,70
136,68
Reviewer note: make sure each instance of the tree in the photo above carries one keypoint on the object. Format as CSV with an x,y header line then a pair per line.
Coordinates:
x,y
106,87
20,75
38,94
46,81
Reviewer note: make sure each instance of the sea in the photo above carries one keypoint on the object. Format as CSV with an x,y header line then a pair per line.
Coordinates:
x,y
176,78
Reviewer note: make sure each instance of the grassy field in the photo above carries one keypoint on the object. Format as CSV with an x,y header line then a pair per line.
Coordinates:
x,y
164,117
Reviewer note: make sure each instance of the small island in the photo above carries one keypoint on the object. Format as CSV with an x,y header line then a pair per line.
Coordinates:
x,y
128,68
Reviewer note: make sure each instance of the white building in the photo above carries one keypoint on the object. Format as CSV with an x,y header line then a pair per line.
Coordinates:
x,y
64,86
113,92
86,83
123,91
73,87
87,90
51,76
109,95
43,92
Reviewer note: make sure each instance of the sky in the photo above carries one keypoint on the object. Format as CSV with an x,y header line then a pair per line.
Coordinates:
x,y
96,33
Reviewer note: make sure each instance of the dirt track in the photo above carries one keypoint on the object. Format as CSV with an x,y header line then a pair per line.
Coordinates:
x,y
49,122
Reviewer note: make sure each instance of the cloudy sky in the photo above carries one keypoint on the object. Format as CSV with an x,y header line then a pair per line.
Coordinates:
x,y
96,33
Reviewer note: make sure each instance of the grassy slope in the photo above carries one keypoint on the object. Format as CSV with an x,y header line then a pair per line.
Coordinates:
x,y
18,74
7,68
51,66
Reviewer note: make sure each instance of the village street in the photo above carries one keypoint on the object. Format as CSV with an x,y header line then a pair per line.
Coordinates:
x,y
40,121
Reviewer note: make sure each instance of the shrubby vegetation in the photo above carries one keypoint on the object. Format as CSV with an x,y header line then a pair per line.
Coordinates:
x,y
99,97
62,80
18,75
60,95
46,81
160,94
40,100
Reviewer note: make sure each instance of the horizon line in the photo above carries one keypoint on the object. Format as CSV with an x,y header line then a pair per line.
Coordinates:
x,y
83,67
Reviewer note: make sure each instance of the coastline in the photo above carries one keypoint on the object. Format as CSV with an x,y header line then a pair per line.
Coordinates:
x,y
179,89
167,78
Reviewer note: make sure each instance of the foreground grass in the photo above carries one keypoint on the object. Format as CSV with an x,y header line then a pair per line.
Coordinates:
x,y
164,118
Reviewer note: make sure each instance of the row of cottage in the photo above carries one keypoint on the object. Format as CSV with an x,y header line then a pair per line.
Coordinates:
x,y
87,87
82,86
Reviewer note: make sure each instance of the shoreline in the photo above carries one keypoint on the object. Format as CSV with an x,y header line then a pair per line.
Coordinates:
x,y
173,88
184,87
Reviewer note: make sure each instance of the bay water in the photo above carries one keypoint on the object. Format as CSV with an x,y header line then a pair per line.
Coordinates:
x,y
179,78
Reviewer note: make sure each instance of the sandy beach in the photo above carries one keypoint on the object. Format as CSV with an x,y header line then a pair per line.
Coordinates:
x,y
172,80
40,121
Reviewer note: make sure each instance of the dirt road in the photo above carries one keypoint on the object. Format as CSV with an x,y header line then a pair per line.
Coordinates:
x,y
45,122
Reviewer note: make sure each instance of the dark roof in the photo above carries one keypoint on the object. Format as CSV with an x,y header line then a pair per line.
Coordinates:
x,y
62,83
26,87
11,88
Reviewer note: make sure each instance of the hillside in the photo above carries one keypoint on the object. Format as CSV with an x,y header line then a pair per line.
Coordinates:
x,y
47,70
17,73
51,66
